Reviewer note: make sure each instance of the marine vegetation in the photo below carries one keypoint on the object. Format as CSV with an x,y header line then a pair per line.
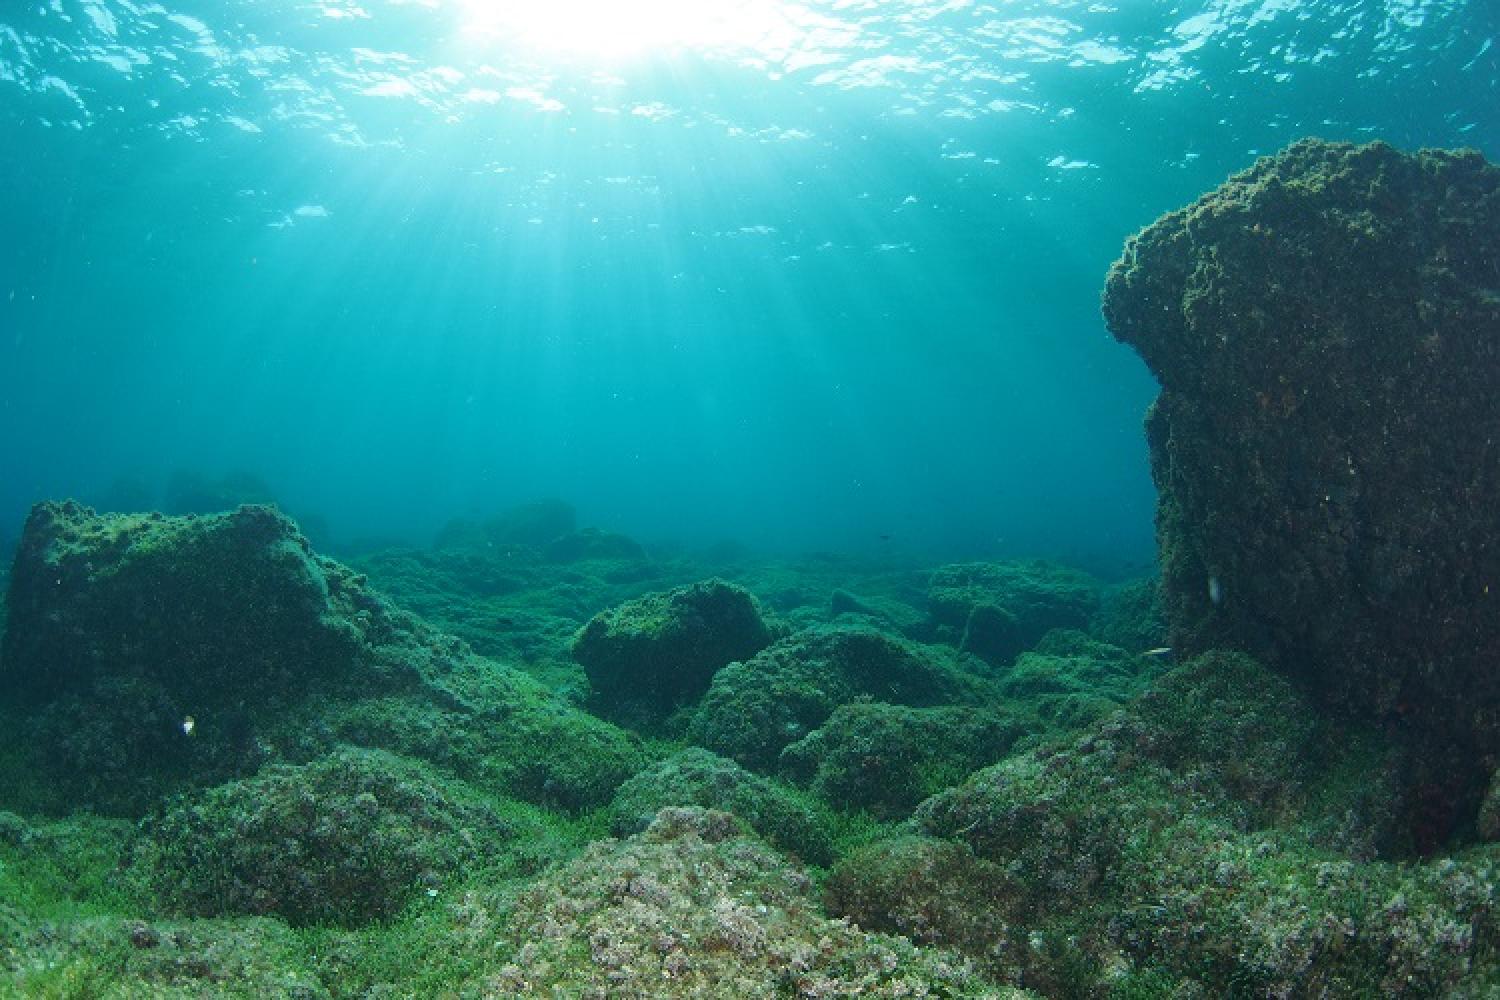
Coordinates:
x,y
539,759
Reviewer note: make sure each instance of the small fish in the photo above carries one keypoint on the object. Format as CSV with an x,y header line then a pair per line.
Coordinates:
x,y
1215,590
1159,651
188,723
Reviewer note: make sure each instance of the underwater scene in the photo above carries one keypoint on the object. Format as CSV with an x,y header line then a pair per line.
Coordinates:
x,y
749,499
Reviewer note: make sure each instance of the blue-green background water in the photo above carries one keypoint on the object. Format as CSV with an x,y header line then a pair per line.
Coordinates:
x,y
829,281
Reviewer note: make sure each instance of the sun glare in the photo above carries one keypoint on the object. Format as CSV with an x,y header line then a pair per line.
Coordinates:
x,y
620,28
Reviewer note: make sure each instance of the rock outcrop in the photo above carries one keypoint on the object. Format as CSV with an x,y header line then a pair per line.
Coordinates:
x,y
1326,330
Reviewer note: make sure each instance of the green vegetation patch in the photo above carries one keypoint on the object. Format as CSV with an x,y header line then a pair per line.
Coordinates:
x,y
1184,843
756,708
996,610
692,908
887,758
697,777
345,839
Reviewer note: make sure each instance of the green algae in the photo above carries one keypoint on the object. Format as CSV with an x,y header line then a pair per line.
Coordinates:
x,y
1323,328
650,656
886,758
345,839
692,908
1000,609
754,709
786,819
1184,837
1216,834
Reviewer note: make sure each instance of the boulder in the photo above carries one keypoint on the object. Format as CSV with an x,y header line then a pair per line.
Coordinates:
x,y
757,707
696,777
884,759
346,839
650,656
1326,330
533,525
997,610
147,654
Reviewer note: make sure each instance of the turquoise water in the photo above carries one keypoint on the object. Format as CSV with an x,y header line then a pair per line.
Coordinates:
x,y
803,275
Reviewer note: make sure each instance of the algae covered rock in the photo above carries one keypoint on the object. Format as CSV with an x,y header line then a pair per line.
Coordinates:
x,y
886,758
692,908
650,656
593,544
501,729
1069,679
149,654
999,609
759,706
928,890
345,839
134,640
1324,327
1180,845
696,777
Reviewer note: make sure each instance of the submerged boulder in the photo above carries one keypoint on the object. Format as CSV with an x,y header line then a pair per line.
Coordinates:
x,y
1216,831
346,839
148,654
886,758
997,610
756,708
144,649
533,525
696,777
693,908
594,544
1326,330
650,656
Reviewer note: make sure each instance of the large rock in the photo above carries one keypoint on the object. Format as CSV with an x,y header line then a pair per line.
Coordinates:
x,y
143,650
532,524
696,777
997,610
1326,330
650,656
1219,830
346,839
147,654
756,708
692,908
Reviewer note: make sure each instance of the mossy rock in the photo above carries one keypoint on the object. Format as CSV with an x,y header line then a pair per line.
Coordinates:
x,y
886,758
928,890
114,958
124,627
502,730
1181,845
151,655
696,777
653,655
1070,679
595,545
346,839
1323,326
999,609
693,908
757,707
